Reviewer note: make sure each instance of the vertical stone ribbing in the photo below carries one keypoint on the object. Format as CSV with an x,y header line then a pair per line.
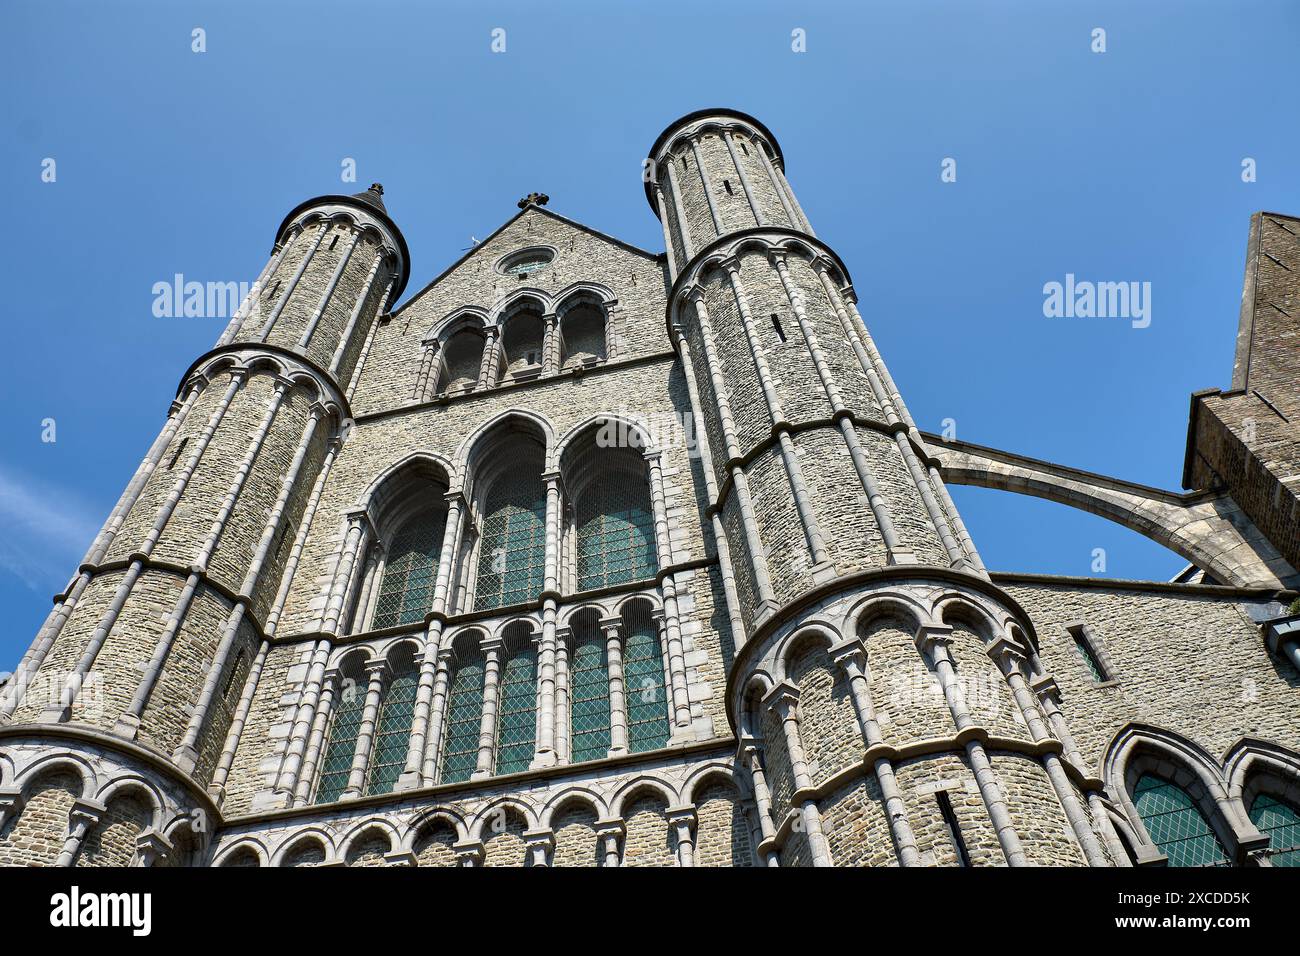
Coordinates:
x,y
59,710
265,332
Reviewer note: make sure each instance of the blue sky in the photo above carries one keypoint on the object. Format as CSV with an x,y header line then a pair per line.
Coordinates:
x,y
1115,166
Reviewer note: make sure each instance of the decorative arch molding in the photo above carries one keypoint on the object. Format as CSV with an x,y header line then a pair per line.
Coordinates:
x,y
713,772
299,839
1138,749
1257,768
133,784
497,806
243,845
430,819
515,299
242,358
1207,528
570,797
471,318
639,786
770,240
582,293
67,762
812,631
634,426
418,464
482,439
364,828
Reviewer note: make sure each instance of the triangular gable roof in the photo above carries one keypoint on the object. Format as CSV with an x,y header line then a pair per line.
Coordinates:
x,y
506,225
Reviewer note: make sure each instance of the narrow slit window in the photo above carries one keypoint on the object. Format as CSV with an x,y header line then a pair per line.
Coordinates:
x,y
727,185
234,672
780,330
334,242
180,449
953,827
1088,654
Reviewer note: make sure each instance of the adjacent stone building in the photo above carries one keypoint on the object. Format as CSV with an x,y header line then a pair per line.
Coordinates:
x,y
593,556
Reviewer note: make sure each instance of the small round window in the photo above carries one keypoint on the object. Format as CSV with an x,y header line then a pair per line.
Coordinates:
x,y
527,262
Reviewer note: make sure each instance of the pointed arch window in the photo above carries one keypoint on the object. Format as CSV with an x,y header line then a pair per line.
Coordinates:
x,y
643,674
1175,823
614,522
345,726
410,568
1280,820
517,723
512,553
393,731
464,709
588,694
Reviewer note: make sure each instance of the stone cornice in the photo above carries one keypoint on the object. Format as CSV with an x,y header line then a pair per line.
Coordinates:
x,y
331,386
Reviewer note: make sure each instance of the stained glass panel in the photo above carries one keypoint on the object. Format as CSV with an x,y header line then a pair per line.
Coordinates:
x,y
615,538
1281,821
588,696
464,710
393,732
512,553
643,672
406,592
1176,825
336,764
517,711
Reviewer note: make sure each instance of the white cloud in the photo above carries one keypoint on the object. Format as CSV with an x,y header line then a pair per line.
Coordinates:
x,y
44,530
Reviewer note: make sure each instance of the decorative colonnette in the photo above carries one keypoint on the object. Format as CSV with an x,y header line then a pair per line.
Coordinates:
x,y
98,803
451,625
527,334
210,567
854,716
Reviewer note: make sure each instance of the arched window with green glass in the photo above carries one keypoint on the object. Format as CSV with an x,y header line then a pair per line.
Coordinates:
x,y
393,729
517,702
643,679
410,569
1279,820
464,711
348,702
1176,824
512,551
613,521
589,736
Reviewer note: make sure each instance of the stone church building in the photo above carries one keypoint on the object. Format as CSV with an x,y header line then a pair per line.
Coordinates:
x,y
592,556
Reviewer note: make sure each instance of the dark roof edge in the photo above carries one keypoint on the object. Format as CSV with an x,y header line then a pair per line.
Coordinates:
x,y
370,208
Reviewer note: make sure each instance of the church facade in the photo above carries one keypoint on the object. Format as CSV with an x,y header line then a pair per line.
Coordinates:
x,y
593,556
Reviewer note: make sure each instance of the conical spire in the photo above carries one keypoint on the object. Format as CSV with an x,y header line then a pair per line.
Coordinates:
x,y
373,197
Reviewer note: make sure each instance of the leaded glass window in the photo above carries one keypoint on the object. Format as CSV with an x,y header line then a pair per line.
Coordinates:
x,y
643,674
517,711
513,550
1088,654
1176,825
410,568
1281,821
336,764
615,538
464,710
393,731
588,696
